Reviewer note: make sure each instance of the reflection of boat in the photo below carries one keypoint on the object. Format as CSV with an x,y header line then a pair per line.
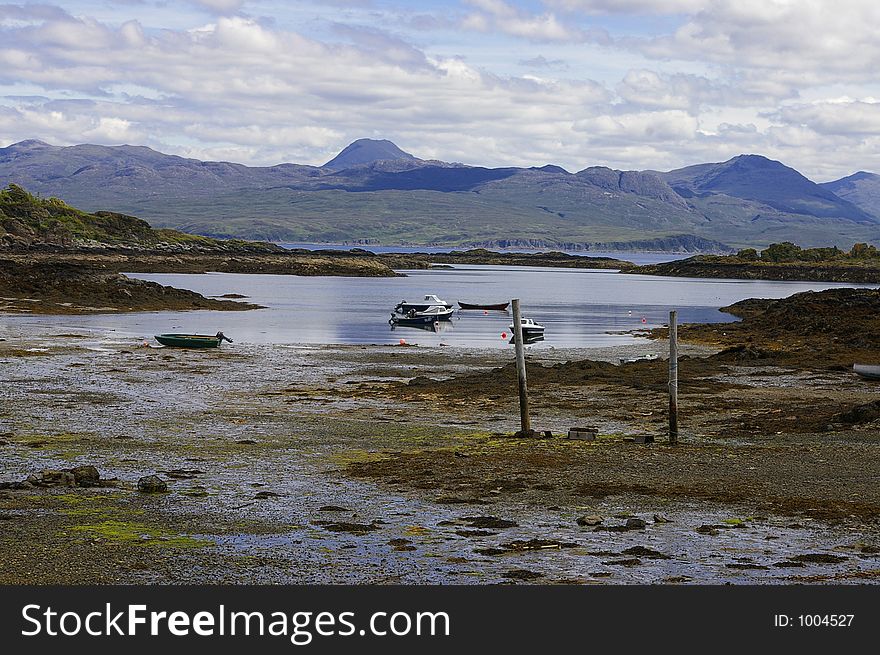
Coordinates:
x,y
192,340
640,358
529,328
436,326
429,301
430,316
529,339
867,371
500,306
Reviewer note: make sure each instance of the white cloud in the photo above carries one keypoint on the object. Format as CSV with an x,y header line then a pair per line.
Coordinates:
x,y
501,16
789,36
841,117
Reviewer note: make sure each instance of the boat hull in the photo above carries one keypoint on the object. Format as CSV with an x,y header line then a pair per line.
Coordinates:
x,y
188,340
501,306
867,371
419,319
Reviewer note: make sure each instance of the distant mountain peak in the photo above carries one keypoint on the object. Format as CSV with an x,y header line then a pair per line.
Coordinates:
x,y
29,144
367,151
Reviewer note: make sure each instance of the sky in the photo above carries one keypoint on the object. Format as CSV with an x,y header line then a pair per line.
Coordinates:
x,y
630,84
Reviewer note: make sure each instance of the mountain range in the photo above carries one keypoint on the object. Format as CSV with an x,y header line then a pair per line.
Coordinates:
x,y
374,192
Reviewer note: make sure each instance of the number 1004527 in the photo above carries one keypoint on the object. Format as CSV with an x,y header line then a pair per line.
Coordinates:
x,y
814,620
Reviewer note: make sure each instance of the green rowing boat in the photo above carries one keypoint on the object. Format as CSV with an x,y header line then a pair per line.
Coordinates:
x,y
192,340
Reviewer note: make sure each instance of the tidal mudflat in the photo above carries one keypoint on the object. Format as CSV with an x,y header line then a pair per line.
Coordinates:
x,y
392,464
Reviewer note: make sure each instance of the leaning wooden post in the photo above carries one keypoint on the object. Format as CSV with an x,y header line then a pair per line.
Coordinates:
x,y
525,423
673,377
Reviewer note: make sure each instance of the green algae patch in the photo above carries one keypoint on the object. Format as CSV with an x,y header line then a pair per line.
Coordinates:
x,y
416,530
139,534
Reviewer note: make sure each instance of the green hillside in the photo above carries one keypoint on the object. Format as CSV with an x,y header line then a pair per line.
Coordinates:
x,y
26,221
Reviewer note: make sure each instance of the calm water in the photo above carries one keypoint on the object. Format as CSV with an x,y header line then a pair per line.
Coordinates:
x,y
580,308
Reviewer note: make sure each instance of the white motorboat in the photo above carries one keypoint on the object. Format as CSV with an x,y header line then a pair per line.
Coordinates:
x,y
529,328
427,302
431,315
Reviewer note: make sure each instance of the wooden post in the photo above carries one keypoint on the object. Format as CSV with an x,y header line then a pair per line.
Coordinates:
x,y
525,423
673,377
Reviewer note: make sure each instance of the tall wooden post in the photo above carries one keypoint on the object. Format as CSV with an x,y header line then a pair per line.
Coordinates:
x,y
525,423
673,377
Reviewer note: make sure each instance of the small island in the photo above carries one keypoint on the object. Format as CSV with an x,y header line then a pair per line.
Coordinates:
x,y
779,261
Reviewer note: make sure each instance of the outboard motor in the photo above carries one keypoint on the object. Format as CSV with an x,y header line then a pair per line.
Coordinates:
x,y
223,337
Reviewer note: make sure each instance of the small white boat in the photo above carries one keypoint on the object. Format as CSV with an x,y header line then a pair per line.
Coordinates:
x,y
867,371
529,328
429,301
431,315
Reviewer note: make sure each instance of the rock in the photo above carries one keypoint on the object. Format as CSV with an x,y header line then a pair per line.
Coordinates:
x,y
623,562
51,478
490,551
643,551
475,533
635,524
491,522
658,518
152,484
746,566
351,528
590,520
333,508
263,495
859,414
708,529
86,476
819,558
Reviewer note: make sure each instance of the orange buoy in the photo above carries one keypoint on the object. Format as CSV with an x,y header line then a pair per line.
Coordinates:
x,y
402,342
504,335
644,320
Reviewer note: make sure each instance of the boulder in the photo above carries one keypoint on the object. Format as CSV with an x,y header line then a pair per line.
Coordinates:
x,y
86,476
152,484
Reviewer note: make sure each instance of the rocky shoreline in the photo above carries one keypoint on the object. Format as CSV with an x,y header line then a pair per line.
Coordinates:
x,y
710,266
825,329
34,287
